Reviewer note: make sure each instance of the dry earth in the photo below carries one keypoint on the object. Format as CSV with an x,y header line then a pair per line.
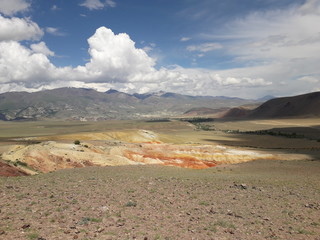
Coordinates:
x,y
269,198
255,200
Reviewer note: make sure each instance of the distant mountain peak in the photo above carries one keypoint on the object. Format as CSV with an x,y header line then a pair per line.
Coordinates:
x,y
266,98
110,91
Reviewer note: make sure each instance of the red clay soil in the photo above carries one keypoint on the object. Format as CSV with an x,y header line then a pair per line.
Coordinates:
x,y
10,171
172,160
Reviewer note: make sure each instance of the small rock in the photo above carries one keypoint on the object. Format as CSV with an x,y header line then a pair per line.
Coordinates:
x,y
25,226
229,231
120,224
99,230
229,212
243,186
2,232
212,211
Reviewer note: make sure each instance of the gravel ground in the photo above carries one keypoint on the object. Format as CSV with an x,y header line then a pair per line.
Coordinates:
x,y
254,200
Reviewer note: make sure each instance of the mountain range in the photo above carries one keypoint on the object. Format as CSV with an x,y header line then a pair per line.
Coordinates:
x,y
88,104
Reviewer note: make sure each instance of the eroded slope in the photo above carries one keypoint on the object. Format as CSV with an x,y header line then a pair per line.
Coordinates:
x,y
129,148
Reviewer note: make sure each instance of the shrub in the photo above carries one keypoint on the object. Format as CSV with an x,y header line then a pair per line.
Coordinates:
x,y
76,142
131,204
18,162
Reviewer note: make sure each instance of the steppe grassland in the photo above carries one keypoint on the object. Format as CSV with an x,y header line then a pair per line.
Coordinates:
x,y
176,132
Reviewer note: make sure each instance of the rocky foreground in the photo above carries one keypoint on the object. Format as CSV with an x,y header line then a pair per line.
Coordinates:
x,y
254,200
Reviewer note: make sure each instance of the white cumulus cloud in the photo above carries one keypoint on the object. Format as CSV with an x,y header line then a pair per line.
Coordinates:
x,y
41,48
19,29
21,64
11,7
115,57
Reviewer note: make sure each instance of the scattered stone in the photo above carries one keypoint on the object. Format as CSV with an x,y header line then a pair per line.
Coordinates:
x,y
120,224
230,213
229,231
25,226
313,206
212,211
99,230
257,188
241,186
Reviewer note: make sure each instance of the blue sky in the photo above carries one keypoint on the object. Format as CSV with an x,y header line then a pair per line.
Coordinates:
x,y
247,48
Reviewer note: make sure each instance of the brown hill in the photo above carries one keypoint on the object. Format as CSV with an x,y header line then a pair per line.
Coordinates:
x,y
306,105
237,112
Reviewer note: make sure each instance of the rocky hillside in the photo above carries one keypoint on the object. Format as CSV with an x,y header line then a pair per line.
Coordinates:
x,y
88,104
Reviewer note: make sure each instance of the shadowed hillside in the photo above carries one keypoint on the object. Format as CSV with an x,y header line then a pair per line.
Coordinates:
x,y
306,105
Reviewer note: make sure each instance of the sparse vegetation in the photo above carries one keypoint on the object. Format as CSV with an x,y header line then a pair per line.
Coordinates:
x,y
224,224
33,236
76,142
87,220
19,163
204,203
131,204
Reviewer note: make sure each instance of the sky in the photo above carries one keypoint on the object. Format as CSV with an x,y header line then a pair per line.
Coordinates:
x,y
236,48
